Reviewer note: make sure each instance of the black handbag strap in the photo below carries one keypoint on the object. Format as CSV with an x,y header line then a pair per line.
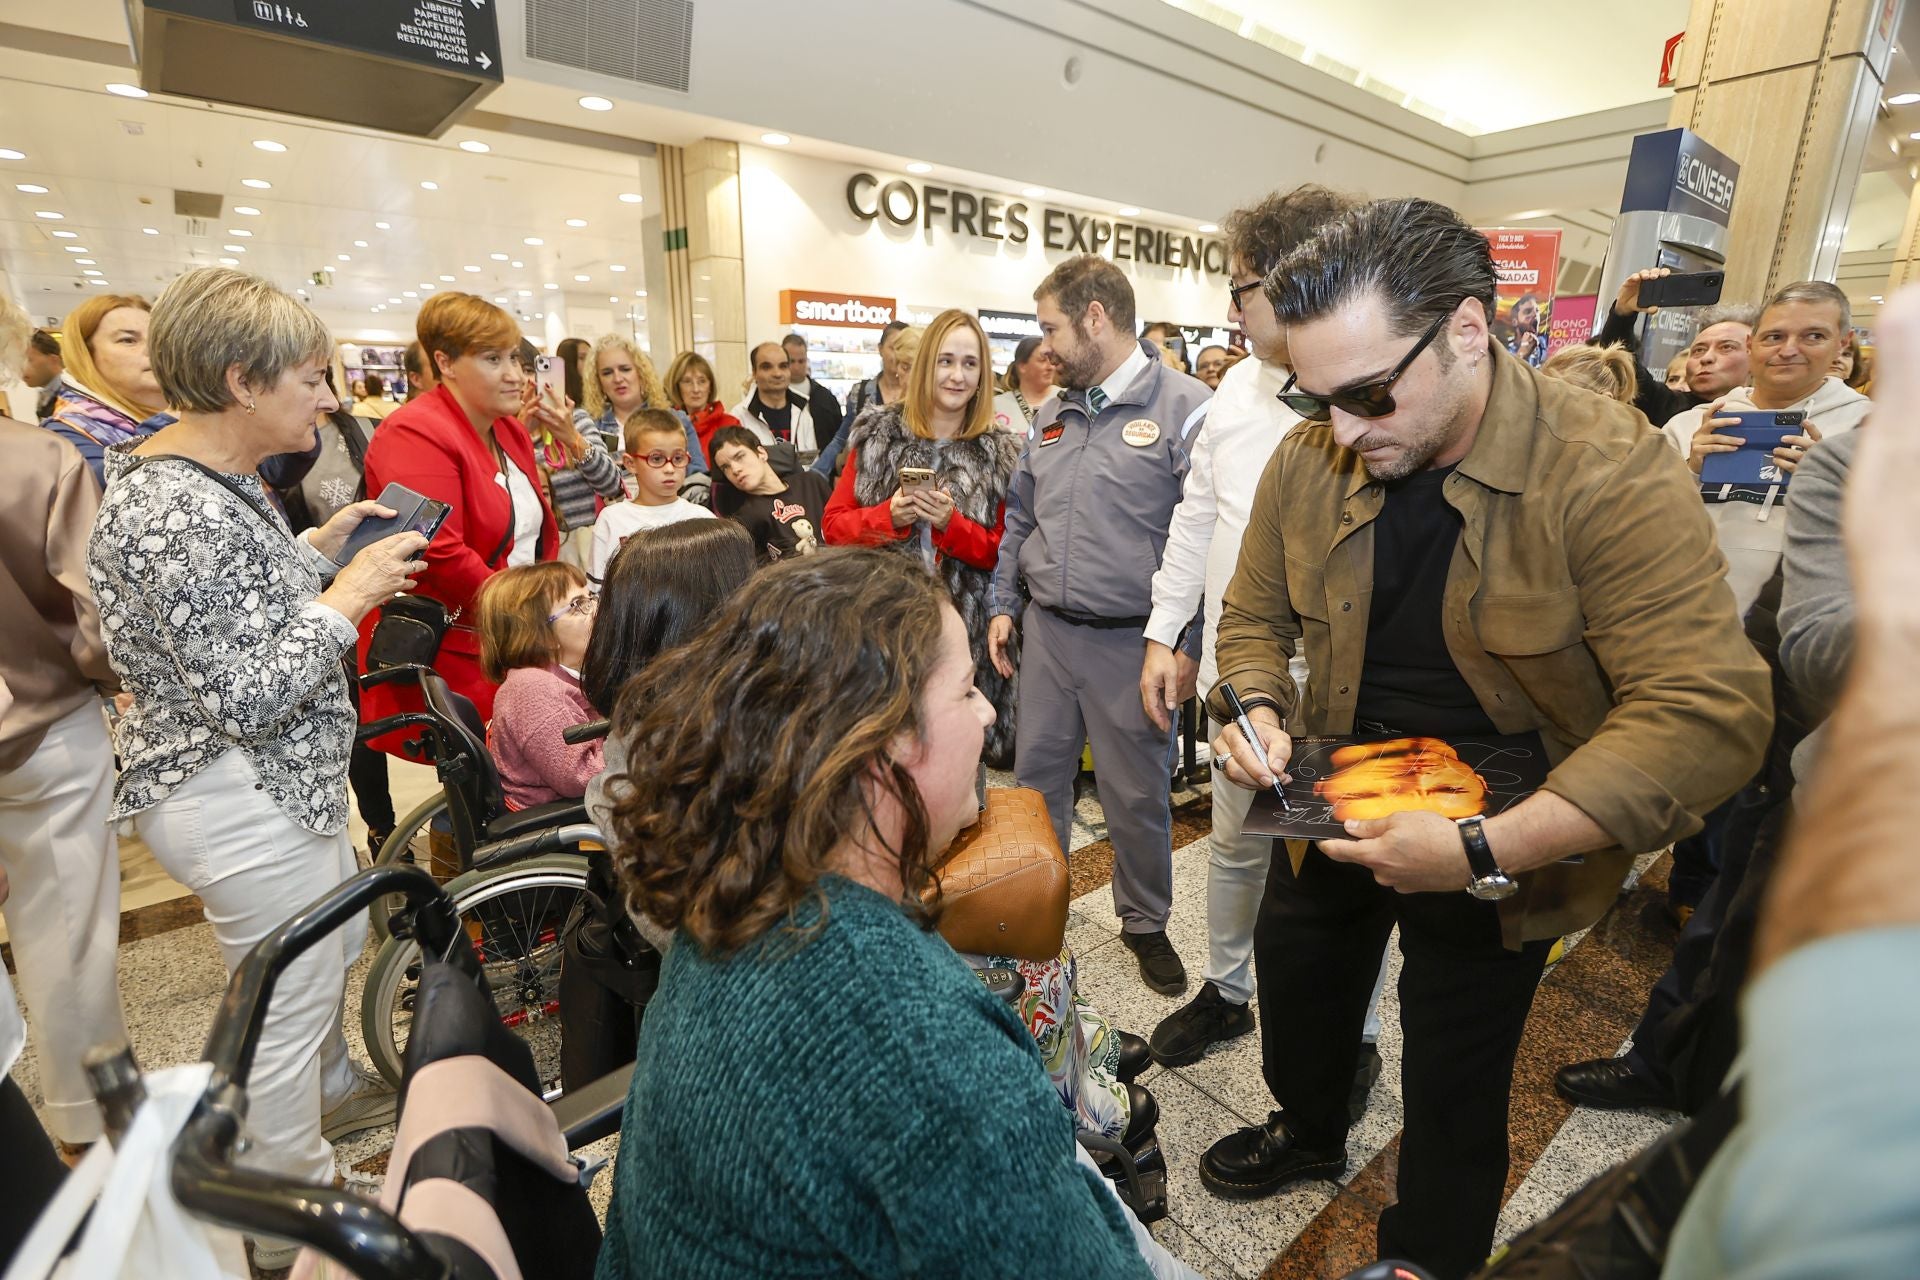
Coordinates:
x,y
246,499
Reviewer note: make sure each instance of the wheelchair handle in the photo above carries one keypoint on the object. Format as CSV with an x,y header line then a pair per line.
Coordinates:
x,y
574,735
552,840
387,675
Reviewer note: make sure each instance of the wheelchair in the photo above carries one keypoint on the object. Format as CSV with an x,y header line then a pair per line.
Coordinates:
x,y
517,876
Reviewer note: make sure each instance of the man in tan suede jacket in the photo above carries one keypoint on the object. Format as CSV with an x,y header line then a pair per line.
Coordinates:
x,y
1467,548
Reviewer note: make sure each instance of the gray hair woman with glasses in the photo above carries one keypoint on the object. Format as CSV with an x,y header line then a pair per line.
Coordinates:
x,y
229,633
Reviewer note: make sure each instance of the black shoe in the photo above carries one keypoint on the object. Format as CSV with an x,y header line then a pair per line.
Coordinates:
x,y
1143,1112
1610,1083
1160,966
1261,1159
1363,1077
1134,1057
1209,1018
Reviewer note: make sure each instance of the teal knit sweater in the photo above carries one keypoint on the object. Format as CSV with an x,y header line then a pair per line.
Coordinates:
x,y
853,1102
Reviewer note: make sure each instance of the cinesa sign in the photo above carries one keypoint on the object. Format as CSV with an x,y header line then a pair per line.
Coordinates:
x,y
905,204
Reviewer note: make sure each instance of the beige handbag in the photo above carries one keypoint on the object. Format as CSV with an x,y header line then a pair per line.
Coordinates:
x,y
1004,882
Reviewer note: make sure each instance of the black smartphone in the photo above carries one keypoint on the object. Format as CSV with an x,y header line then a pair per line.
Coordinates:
x,y
412,512
1692,289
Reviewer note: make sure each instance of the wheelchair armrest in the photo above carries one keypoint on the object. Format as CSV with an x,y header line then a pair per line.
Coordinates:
x,y
576,734
387,675
592,1111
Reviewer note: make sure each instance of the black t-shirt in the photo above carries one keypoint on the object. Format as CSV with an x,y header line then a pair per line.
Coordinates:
x,y
1408,682
779,420
790,523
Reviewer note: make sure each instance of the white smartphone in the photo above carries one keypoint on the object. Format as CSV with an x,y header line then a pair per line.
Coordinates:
x,y
551,377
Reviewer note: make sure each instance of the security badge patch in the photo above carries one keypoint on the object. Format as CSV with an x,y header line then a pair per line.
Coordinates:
x,y
1052,432
1141,432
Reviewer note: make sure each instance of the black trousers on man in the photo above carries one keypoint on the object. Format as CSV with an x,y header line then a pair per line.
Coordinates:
x,y
1464,1000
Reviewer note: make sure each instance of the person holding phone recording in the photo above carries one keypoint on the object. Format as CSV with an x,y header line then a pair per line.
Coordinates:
x,y
229,633
1800,331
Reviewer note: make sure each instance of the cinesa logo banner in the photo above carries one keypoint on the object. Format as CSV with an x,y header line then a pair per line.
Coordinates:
x,y
904,204
1704,182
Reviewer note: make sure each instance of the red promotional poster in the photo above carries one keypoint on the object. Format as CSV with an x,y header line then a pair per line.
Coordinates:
x,y
1572,321
1528,262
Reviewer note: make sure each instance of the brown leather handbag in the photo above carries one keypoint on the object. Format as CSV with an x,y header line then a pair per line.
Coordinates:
x,y
1004,882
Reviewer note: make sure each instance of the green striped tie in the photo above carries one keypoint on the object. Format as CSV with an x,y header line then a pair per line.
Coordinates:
x,y
1097,401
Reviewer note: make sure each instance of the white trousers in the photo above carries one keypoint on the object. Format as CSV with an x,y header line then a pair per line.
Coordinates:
x,y
1236,880
63,863
254,867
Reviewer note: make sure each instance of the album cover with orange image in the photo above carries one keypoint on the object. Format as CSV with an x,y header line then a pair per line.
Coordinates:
x,y
1338,779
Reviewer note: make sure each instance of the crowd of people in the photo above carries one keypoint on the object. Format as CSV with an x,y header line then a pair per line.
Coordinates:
x,y
813,624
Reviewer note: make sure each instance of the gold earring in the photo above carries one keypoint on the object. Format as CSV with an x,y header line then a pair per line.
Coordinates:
x,y
249,406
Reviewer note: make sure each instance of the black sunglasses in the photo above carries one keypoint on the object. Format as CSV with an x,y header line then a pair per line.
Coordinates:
x,y
1369,399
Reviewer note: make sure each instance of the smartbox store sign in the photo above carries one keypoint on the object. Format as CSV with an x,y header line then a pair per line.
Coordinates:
x,y
901,203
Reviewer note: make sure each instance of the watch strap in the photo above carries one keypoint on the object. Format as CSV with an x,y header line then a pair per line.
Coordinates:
x,y
1480,859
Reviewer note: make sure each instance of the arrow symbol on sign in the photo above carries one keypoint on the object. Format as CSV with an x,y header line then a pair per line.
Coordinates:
x,y
484,61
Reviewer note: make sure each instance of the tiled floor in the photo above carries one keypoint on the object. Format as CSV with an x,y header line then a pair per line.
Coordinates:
x,y
172,982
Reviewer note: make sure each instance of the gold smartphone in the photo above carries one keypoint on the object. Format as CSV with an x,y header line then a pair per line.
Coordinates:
x,y
912,478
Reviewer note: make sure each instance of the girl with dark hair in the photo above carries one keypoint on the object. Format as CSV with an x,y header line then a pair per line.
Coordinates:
x,y
576,352
810,1030
1028,385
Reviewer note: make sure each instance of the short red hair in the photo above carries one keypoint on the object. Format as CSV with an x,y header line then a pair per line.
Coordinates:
x,y
456,323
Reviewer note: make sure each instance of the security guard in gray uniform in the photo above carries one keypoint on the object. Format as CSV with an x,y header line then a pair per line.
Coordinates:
x,y
1087,516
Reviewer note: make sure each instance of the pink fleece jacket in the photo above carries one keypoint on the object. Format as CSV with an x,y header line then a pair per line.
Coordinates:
x,y
534,705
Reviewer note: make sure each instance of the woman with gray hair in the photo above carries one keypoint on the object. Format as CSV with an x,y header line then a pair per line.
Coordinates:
x,y
227,632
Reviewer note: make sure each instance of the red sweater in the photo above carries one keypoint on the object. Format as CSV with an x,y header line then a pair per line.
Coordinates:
x,y
429,446
708,421
849,523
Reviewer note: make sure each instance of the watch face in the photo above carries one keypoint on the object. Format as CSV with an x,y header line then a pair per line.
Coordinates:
x,y
1492,888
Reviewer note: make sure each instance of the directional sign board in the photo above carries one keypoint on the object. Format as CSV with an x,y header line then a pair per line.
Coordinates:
x,y
405,66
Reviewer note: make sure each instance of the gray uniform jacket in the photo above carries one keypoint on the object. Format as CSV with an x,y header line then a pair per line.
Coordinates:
x,y
1092,498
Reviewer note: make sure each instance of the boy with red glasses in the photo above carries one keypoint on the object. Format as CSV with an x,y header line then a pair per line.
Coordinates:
x,y
656,454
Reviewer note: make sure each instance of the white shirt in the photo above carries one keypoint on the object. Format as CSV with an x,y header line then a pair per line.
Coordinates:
x,y
621,520
1122,378
1243,426
527,516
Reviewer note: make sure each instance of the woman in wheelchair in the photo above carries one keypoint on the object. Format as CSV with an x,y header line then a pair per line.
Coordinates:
x,y
822,1084
534,624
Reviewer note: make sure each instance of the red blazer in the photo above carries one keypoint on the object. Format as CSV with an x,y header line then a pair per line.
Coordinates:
x,y
429,446
850,524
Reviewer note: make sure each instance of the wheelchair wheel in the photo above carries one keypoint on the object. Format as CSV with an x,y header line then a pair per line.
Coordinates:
x,y
514,917
408,842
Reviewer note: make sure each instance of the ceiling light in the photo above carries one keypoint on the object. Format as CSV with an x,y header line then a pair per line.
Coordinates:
x,y
51,216
775,139
83,262
344,257
616,267
8,153
919,166
74,248
246,211
1914,136
258,184
97,281
359,244
476,146
408,293
1128,211
91,272
1209,227
1903,99
539,315
498,257
1033,193
31,188
149,231
576,222
550,286
268,144
429,186
383,226
394,301
443,280
328,268
240,232
630,197
533,240
526,293
613,297
127,90
501,300
66,235
593,102
470,268
229,262
234,248
517,264
582,279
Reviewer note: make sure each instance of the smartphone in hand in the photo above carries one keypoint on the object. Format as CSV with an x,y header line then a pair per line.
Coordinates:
x,y
1692,289
914,478
412,512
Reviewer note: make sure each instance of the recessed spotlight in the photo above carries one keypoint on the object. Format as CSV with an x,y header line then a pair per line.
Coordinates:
x,y
526,293
1033,193
149,231
501,300
65,235
239,232
344,257
630,197
91,272
126,90
919,166
234,248
640,293
576,222
76,248
775,139
1903,99
582,279
258,184
516,264
51,216
229,262
359,244
533,240
613,297
498,257
393,301
1877,297
593,102
8,153
469,268
443,280
1128,211
246,211
476,146
550,286
539,315
429,186
84,262
1912,136
383,226
31,188
268,144
617,267
408,293
1209,228
97,281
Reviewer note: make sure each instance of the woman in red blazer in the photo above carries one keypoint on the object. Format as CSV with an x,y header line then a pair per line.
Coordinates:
x,y
462,445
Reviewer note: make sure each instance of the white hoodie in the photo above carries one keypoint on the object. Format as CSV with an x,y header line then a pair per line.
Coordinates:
x,y
1752,535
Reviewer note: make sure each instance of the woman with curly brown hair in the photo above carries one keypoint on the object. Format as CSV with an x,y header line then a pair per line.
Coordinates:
x,y
822,1084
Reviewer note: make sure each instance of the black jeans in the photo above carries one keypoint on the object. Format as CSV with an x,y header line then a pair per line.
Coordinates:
x,y
33,1172
1464,1000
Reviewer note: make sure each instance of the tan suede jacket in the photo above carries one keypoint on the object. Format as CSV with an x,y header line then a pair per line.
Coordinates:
x,y
1586,600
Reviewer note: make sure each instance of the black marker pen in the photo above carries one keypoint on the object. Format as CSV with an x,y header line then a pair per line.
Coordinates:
x,y
1245,726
